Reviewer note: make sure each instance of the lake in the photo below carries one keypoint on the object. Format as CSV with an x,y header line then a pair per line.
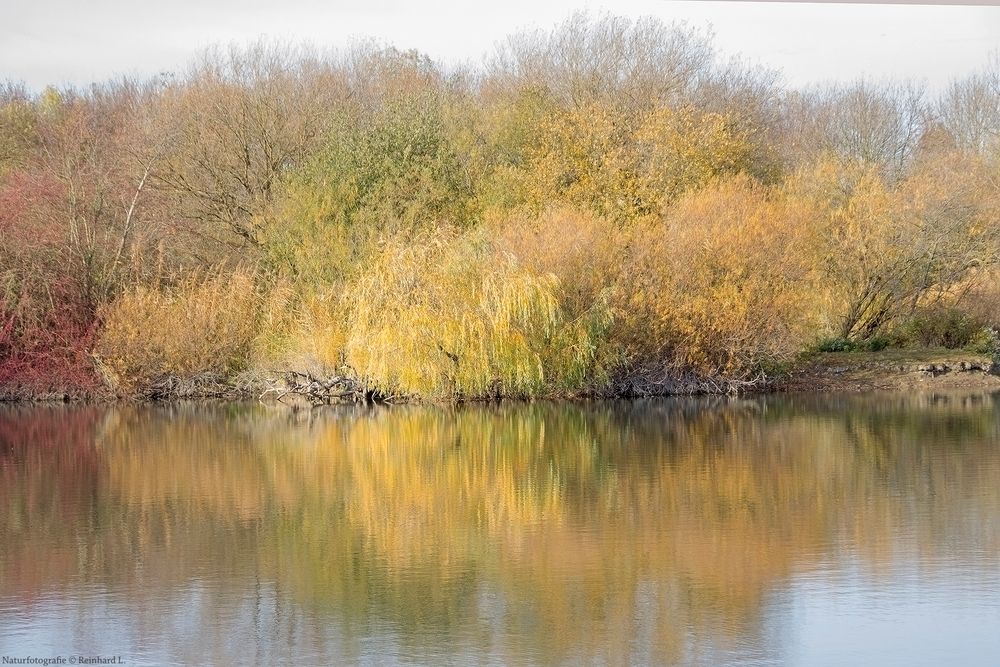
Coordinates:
x,y
798,530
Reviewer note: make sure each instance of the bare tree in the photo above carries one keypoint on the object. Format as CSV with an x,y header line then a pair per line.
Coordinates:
x,y
100,156
242,120
871,124
970,110
634,64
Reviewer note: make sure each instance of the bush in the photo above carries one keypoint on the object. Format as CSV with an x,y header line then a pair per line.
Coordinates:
x,y
584,252
986,341
721,287
202,328
836,345
877,343
45,343
950,327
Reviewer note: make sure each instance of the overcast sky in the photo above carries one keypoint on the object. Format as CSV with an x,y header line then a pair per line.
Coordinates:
x,y
79,41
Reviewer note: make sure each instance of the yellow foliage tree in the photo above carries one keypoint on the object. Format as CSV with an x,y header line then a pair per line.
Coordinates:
x,y
720,287
618,166
679,150
884,248
446,316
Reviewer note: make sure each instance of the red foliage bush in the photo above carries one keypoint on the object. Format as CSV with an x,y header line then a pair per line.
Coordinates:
x,y
23,195
47,328
46,349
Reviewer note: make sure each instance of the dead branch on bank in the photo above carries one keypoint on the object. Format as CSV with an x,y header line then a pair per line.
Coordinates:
x,y
320,391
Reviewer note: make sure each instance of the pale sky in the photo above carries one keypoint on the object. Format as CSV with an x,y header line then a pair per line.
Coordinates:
x,y
79,41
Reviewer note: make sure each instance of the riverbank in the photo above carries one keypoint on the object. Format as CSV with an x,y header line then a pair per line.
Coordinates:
x,y
891,370
827,372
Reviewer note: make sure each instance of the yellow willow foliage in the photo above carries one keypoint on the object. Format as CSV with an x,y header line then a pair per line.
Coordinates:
x,y
204,325
587,255
723,285
318,341
980,297
276,323
452,317
513,128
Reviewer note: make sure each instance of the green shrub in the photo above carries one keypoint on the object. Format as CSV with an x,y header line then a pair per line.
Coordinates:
x,y
838,344
940,327
876,344
985,341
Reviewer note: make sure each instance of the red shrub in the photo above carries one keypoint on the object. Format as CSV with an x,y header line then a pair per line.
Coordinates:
x,y
45,348
47,327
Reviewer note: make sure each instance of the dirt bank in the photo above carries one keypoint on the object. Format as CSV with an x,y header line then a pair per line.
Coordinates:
x,y
892,370
888,370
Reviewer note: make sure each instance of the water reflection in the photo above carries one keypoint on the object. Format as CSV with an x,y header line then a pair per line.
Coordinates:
x,y
783,529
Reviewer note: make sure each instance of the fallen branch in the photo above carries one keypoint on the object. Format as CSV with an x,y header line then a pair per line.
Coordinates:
x,y
318,391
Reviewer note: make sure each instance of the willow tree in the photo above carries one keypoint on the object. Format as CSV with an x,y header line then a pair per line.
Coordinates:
x,y
445,316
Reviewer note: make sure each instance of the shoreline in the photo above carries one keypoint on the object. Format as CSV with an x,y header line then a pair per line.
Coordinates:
x,y
828,372
892,370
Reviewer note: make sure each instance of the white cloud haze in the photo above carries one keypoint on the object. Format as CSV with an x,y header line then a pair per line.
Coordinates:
x,y
74,41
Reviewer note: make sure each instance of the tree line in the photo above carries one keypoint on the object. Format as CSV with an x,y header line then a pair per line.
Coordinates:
x,y
606,207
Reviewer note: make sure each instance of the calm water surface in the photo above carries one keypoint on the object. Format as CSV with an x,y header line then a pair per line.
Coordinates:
x,y
782,530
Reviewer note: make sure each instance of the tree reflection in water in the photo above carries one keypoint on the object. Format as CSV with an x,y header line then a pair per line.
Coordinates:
x,y
651,531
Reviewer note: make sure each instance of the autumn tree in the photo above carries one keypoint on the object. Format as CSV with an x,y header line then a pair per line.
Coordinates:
x,y
400,169
877,125
238,122
75,220
887,247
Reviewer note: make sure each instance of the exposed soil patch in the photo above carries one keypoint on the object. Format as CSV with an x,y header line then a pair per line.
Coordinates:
x,y
892,370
